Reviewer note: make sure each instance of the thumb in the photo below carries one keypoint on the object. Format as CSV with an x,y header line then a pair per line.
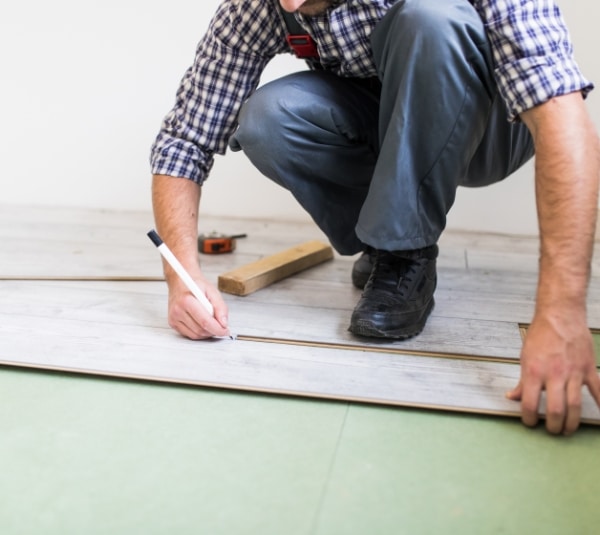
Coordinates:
x,y
516,393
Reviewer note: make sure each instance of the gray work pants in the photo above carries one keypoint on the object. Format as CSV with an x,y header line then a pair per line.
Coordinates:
x,y
378,161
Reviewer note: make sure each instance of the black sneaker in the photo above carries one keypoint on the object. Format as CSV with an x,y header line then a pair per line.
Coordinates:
x,y
398,296
361,270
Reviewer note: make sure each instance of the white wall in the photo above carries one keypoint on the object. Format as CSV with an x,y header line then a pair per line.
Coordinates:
x,y
85,84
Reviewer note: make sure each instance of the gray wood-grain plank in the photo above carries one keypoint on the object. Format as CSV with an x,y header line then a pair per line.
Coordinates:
x,y
128,302
486,288
74,243
123,336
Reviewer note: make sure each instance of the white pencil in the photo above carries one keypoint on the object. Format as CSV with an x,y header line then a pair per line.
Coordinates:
x,y
180,270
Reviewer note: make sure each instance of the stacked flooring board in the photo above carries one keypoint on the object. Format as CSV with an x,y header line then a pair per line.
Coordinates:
x,y
82,291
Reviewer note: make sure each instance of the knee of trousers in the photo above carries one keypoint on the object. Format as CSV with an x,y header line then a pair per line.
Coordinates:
x,y
260,121
427,26
273,118
267,126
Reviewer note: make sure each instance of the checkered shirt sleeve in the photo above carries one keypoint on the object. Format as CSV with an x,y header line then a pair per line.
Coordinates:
x,y
533,53
242,37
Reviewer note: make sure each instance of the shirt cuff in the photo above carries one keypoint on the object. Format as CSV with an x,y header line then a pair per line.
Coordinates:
x,y
528,82
180,158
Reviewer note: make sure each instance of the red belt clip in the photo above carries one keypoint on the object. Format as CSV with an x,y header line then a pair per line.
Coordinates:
x,y
303,46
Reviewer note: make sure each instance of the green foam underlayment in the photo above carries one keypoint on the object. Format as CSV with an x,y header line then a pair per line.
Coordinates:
x,y
96,456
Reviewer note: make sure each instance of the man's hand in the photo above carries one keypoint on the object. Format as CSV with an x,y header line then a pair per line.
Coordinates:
x,y
187,315
558,357
558,354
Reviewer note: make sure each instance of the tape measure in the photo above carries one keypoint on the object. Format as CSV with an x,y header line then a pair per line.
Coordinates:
x,y
215,243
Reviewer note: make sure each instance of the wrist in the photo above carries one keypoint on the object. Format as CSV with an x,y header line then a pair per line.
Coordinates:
x,y
561,314
562,286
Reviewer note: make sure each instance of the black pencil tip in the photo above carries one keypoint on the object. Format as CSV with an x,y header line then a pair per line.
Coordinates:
x,y
153,235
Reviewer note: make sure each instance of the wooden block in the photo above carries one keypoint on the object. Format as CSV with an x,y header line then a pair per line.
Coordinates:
x,y
256,275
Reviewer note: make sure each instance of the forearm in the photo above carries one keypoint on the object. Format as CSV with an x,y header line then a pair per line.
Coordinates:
x,y
567,175
175,202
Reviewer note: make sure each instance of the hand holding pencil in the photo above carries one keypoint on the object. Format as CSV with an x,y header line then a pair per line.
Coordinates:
x,y
192,315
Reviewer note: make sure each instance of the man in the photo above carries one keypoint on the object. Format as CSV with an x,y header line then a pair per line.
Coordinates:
x,y
410,99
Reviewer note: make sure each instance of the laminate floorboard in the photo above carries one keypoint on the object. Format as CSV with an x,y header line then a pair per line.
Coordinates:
x,y
80,244
129,303
125,339
82,290
76,243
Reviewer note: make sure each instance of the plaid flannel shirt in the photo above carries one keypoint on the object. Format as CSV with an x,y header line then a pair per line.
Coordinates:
x,y
531,46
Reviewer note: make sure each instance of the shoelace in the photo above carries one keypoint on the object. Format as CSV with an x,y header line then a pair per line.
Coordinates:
x,y
390,268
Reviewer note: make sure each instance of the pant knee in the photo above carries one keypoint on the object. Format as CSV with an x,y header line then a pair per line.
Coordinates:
x,y
258,123
278,115
306,109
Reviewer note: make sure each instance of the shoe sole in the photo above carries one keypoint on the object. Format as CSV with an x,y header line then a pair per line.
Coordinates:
x,y
368,329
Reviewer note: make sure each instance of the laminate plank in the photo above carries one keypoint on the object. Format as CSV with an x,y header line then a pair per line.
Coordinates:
x,y
298,310
84,244
73,243
494,251
473,294
60,242
470,322
138,351
453,336
128,303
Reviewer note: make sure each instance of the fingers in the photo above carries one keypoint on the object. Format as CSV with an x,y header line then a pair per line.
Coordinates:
x,y
573,407
190,330
557,357
530,398
189,318
516,393
220,308
556,410
563,403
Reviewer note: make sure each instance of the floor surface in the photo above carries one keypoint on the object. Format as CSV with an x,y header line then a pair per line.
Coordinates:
x,y
96,456
82,454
